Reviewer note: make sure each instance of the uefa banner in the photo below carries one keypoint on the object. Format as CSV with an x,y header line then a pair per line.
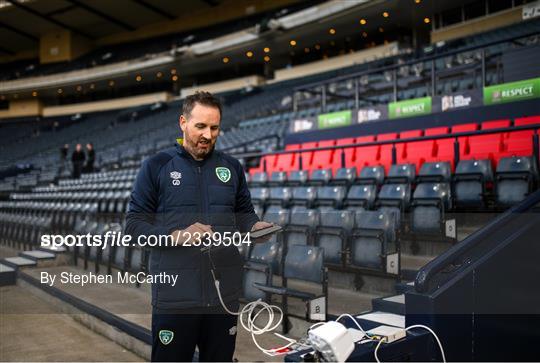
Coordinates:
x,y
511,92
409,108
372,113
455,101
334,119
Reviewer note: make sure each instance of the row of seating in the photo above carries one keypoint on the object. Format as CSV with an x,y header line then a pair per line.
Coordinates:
x,y
491,146
474,185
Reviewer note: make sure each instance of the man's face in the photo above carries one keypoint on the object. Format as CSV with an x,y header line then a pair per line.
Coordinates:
x,y
201,130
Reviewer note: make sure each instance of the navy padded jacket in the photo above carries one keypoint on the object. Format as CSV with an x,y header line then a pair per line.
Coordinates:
x,y
173,191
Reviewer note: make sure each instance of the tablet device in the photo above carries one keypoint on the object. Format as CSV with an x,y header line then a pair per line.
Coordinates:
x,y
265,231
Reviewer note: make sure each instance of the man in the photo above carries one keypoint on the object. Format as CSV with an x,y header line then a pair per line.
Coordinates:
x,y
180,192
77,159
91,158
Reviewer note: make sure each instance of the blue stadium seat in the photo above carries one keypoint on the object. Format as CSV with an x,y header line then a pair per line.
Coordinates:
x,y
430,201
333,233
331,196
394,199
344,176
373,238
516,177
469,182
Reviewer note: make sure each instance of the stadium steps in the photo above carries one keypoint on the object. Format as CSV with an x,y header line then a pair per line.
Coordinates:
x,y
18,262
391,304
8,275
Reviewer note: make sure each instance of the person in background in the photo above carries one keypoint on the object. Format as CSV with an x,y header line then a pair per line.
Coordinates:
x,y
77,159
63,156
91,158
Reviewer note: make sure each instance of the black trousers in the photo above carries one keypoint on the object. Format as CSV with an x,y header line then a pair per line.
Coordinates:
x,y
175,336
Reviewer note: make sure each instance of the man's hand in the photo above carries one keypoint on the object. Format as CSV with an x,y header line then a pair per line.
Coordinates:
x,y
261,225
193,233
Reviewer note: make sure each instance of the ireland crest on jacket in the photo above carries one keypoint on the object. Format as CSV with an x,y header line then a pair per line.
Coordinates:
x,y
223,174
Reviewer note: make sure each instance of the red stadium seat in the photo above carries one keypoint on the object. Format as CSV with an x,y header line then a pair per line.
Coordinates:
x,y
287,162
365,155
488,146
464,141
349,154
324,159
435,131
520,143
385,154
307,157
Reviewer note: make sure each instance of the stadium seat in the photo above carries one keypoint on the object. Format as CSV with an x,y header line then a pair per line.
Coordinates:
x,y
259,196
304,196
278,178
349,154
344,176
332,234
470,181
270,252
430,201
394,199
385,155
361,197
307,156
297,177
287,162
279,196
434,172
320,177
324,158
301,227
372,239
365,155
331,196
302,263
489,146
515,178
256,273
371,175
401,173
520,143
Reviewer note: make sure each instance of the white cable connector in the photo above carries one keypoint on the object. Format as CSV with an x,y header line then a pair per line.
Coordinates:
x,y
407,329
249,325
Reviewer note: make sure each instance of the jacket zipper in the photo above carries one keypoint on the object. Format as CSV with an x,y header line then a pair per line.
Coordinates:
x,y
203,214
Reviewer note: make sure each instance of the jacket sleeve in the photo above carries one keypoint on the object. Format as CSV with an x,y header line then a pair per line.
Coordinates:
x,y
143,205
245,214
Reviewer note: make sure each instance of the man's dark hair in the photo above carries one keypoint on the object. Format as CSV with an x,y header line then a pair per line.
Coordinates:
x,y
202,98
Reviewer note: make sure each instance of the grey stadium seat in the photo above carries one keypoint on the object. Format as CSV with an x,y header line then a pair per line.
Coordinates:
x,y
371,175
470,181
373,238
516,177
361,197
430,201
333,234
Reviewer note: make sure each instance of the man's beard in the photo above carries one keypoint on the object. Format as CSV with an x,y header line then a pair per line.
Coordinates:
x,y
191,145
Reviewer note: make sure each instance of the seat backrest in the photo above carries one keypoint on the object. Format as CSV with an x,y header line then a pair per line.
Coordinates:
x,y
369,221
433,192
276,214
304,263
259,178
475,168
333,218
435,171
344,176
298,177
281,195
301,216
395,194
402,173
320,176
517,164
278,177
259,194
361,195
333,194
372,174
304,195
